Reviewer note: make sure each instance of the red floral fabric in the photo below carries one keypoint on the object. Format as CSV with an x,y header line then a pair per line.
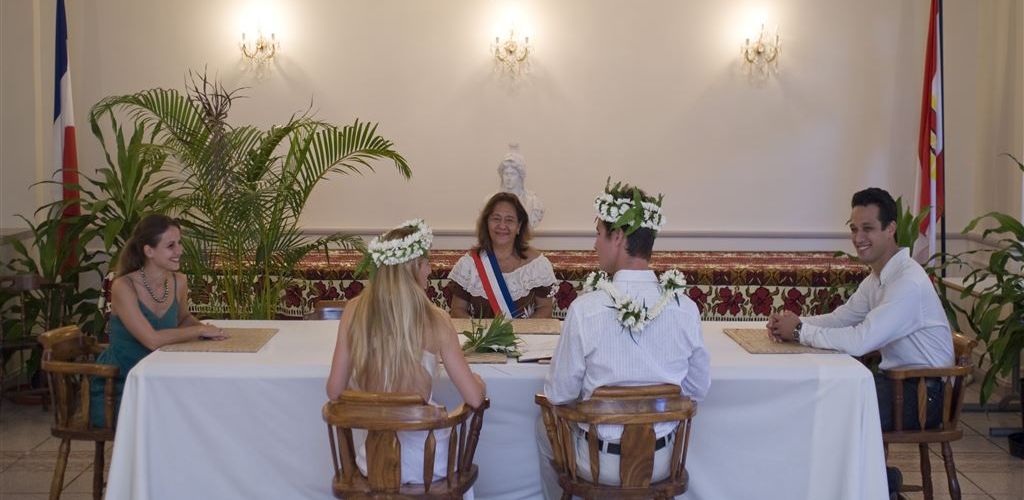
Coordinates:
x,y
724,285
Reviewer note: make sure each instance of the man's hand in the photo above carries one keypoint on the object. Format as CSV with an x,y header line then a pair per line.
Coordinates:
x,y
781,326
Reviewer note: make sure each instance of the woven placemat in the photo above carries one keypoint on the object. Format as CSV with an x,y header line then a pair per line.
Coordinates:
x,y
240,340
756,341
488,358
529,326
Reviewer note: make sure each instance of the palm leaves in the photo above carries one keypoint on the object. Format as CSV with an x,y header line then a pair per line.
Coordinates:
x,y
245,188
60,265
130,186
497,336
996,280
908,225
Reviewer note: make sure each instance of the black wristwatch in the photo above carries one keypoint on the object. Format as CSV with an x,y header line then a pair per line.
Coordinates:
x,y
796,331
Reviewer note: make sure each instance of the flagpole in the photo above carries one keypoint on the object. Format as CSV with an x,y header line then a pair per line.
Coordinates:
x,y
945,143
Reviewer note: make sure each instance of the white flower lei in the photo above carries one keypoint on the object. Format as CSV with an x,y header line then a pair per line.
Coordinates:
x,y
632,315
610,209
393,252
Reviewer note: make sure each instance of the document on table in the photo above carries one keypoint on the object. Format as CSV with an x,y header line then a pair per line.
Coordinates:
x,y
538,348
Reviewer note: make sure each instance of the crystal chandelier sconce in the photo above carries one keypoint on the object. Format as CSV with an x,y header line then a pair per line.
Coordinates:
x,y
762,54
512,53
260,51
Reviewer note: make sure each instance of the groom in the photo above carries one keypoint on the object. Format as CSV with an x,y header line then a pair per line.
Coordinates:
x,y
661,344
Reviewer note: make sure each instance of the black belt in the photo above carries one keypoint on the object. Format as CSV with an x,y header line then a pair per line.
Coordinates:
x,y
616,448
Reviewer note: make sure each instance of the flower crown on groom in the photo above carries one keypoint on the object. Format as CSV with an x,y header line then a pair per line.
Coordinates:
x,y
624,207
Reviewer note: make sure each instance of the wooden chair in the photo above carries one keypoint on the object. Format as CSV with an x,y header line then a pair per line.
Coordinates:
x,y
327,309
383,415
952,403
637,409
66,353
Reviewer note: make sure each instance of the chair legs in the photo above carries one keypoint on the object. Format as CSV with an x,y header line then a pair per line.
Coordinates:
x,y
926,472
954,481
97,473
57,484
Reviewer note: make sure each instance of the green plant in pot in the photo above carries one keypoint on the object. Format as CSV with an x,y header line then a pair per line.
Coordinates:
x,y
996,280
131,185
59,263
908,225
244,188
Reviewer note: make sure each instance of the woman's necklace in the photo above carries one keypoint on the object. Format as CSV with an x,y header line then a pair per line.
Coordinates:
x,y
145,284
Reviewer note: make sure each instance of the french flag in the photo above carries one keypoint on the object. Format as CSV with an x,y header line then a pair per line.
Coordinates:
x,y
65,153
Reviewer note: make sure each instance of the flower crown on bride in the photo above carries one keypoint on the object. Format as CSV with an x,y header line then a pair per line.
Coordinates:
x,y
399,251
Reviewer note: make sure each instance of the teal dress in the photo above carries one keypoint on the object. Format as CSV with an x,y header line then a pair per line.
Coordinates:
x,y
125,352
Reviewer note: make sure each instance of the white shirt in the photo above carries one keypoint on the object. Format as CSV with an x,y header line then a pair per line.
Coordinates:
x,y
896,311
521,281
595,350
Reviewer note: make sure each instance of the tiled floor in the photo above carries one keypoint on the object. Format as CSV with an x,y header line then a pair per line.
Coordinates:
x,y
28,453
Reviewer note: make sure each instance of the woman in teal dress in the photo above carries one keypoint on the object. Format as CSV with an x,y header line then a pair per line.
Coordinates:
x,y
148,305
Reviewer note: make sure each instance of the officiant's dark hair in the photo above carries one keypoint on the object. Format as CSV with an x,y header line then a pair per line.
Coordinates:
x,y
147,232
641,242
483,235
879,198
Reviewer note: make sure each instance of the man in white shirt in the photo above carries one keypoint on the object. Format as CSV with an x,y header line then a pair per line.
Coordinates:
x,y
895,310
596,348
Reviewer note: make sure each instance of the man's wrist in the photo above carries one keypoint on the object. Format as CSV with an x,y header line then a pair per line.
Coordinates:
x,y
796,330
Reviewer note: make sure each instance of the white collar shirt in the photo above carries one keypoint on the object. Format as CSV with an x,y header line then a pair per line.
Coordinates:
x,y
896,312
595,350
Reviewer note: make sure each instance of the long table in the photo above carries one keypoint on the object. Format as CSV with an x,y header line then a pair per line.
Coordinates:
x,y
231,425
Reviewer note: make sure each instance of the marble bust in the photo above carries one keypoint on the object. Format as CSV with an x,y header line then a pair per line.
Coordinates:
x,y
512,173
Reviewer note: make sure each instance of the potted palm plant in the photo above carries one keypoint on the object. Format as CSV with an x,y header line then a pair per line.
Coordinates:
x,y
244,188
54,262
996,280
131,185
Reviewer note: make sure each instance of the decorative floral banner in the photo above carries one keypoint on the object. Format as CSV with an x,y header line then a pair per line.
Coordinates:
x,y
724,285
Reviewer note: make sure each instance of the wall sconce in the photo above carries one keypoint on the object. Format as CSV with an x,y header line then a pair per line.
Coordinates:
x,y
260,51
763,54
512,53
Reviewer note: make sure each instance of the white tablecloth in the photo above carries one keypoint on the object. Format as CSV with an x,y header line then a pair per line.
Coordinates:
x,y
230,425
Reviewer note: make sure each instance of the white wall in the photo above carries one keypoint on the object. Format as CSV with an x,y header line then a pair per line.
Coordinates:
x,y
649,91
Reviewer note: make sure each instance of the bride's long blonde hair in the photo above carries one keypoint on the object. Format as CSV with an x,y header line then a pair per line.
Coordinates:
x,y
390,323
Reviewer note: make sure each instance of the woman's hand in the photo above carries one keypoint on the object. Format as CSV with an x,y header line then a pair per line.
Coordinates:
x,y
480,381
210,332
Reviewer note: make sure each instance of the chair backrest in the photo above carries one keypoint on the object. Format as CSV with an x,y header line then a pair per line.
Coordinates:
x,y
327,309
66,361
637,409
963,347
383,416
953,389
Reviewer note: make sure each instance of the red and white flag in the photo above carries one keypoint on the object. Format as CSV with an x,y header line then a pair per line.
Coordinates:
x,y
930,144
65,154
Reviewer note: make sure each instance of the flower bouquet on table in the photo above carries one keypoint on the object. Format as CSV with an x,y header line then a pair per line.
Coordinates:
x,y
498,336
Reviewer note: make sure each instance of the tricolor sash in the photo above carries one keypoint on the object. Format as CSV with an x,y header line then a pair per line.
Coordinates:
x,y
494,284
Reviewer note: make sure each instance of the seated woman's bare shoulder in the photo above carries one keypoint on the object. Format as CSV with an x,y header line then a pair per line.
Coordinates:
x,y
441,329
123,284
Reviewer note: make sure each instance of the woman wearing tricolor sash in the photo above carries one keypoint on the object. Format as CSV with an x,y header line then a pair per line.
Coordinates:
x,y
502,273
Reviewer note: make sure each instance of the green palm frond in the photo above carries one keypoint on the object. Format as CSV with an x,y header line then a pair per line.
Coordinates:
x,y
994,287
246,188
497,336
